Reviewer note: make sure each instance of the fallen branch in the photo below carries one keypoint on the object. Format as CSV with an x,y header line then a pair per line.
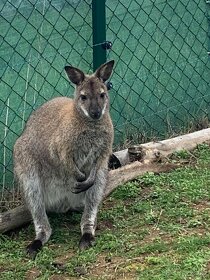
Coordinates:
x,y
131,171
146,153
14,218
154,151
20,215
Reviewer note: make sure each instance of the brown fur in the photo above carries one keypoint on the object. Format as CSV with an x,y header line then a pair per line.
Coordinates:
x,y
61,158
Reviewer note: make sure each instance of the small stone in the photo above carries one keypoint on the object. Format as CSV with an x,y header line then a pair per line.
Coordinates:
x,y
108,259
59,266
80,270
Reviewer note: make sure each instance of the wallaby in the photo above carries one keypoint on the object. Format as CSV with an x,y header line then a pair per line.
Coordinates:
x,y
61,158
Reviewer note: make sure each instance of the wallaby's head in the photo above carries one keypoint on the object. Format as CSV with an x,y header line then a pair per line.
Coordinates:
x,y
91,94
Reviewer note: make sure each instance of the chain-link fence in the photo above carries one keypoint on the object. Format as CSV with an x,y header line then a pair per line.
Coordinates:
x,y
162,72
38,38
162,78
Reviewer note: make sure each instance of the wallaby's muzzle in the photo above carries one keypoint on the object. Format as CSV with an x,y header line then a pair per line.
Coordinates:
x,y
95,114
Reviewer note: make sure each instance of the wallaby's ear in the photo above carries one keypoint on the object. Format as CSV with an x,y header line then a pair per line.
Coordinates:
x,y
75,75
105,70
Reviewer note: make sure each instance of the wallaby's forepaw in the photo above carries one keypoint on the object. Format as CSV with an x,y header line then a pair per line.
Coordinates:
x,y
88,183
80,177
33,248
86,241
82,186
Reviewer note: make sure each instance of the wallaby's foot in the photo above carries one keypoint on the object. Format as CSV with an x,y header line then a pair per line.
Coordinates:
x,y
33,248
86,241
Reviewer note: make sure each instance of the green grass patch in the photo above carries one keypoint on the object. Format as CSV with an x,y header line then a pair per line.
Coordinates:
x,y
156,227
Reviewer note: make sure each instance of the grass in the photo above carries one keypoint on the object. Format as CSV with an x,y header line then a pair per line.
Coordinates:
x,y
155,227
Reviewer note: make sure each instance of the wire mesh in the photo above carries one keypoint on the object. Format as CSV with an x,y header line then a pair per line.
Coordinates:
x,y
38,38
161,78
161,81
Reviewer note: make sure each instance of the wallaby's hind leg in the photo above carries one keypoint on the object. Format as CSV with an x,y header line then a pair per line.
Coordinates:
x,y
93,199
35,201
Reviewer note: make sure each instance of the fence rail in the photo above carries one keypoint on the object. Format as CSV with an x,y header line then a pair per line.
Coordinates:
x,y
162,73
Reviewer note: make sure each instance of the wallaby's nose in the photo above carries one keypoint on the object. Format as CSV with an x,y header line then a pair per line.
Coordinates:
x,y
95,114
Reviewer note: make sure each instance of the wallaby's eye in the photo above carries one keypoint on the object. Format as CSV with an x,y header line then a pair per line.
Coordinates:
x,y
102,95
83,97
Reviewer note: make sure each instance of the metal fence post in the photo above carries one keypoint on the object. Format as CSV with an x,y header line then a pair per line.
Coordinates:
x,y
99,32
208,19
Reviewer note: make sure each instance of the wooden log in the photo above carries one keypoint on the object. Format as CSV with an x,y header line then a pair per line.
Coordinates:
x,y
154,151
20,215
131,171
14,218
184,142
147,153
